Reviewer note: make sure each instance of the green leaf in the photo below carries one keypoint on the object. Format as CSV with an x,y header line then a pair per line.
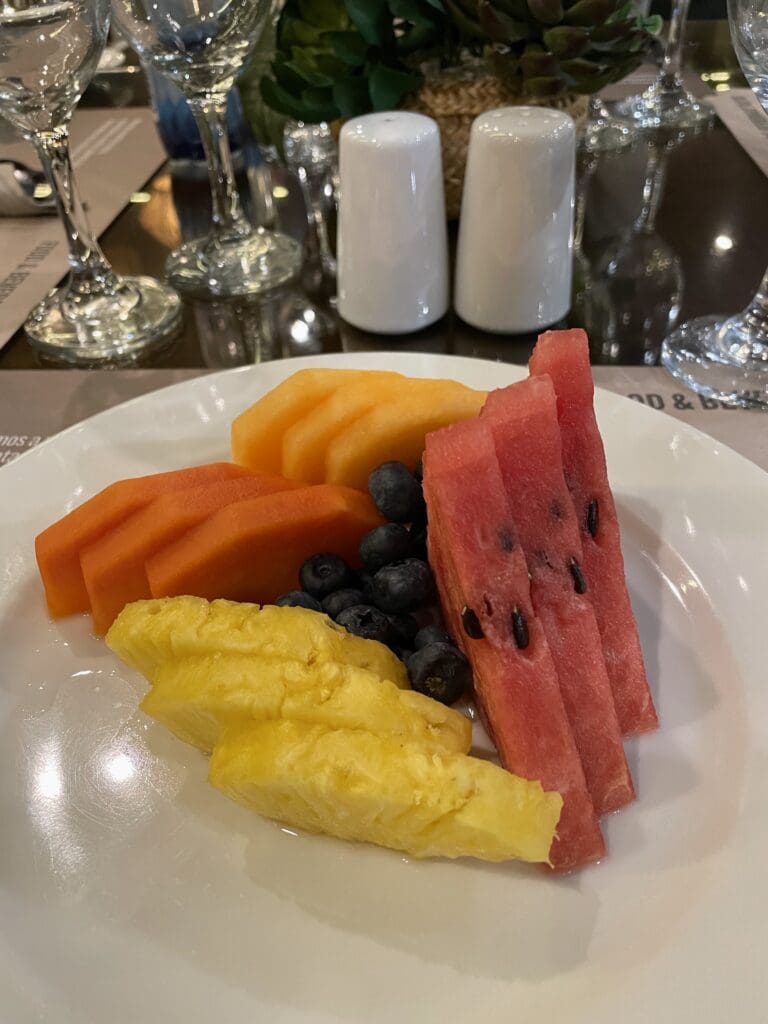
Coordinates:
x,y
538,65
547,86
466,26
517,9
303,64
566,40
351,96
324,14
288,78
419,37
437,4
653,24
372,20
589,12
546,12
622,13
389,87
500,27
300,33
582,69
277,98
349,47
320,104
611,32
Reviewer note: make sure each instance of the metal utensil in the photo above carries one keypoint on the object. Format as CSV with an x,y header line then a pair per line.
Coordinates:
x,y
23,191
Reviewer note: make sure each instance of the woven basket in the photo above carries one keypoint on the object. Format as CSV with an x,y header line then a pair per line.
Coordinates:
x,y
455,101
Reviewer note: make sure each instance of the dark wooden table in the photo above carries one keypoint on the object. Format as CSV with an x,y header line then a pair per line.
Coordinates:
x,y
702,250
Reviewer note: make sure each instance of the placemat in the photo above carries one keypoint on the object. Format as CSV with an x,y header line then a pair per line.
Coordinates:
x,y
35,404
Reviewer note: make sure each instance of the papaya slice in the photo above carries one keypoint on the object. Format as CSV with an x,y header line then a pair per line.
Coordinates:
x,y
58,548
305,442
396,429
252,550
113,566
257,433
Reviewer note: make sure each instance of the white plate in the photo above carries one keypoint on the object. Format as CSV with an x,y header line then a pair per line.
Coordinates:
x,y
131,891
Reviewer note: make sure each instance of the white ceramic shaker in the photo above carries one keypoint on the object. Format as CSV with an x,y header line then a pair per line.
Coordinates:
x,y
513,263
392,238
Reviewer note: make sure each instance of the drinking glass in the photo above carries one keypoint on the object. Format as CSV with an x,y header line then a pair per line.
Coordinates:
x,y
202,45
727,358
49,50
667,103
604,132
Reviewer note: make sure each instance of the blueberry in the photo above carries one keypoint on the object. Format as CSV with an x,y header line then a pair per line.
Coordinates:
x,y
365,621
418,538
364,583
404,629
419,471
384,544
320,575
403,586
440,671
336,602
396,493
431,635
298,599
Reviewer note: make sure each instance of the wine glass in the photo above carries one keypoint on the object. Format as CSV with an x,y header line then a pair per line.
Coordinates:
x,y
202,45
637,283
727,358
667,103
603,131
48,52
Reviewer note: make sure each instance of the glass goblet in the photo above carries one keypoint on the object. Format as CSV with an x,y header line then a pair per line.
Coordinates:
x,y
202,46
667,103
727,357
48,52
604,132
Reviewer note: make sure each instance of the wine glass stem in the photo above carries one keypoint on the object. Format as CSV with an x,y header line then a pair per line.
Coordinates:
x,y
90,273
756,313
673,51
229,221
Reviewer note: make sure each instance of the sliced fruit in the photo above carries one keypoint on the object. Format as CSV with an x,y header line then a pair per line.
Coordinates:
x,y
257,433
367,788
523,421
113,566
58,548
484,589
252,551
306,440
395,431
564,355
197,698
146,634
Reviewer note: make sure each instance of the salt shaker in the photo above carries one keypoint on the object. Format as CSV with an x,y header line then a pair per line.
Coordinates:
x,y
392,239
513,262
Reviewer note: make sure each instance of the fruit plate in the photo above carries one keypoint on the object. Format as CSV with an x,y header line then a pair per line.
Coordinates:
x,y
130,890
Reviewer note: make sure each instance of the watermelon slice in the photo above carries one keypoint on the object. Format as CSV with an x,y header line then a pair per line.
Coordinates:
x,y
479,567
564,355
523,420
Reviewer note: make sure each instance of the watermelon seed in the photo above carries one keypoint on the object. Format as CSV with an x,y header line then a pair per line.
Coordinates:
x,y
487,605
579,583
519,628
506,540
593,516
556,510
471,624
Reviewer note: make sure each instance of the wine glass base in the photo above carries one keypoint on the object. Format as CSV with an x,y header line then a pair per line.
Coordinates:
x,y
661,106
607,134
142,315
716,357
257,263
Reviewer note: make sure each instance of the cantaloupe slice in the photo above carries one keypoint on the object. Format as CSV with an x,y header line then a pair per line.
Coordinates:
x,y
257,433
252,551
305,442
113,566
396,429
58,548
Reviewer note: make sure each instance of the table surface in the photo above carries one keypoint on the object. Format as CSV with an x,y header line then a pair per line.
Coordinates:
x,y
701,251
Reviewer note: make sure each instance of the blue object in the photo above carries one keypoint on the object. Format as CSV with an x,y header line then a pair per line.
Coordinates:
x,y
176,123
